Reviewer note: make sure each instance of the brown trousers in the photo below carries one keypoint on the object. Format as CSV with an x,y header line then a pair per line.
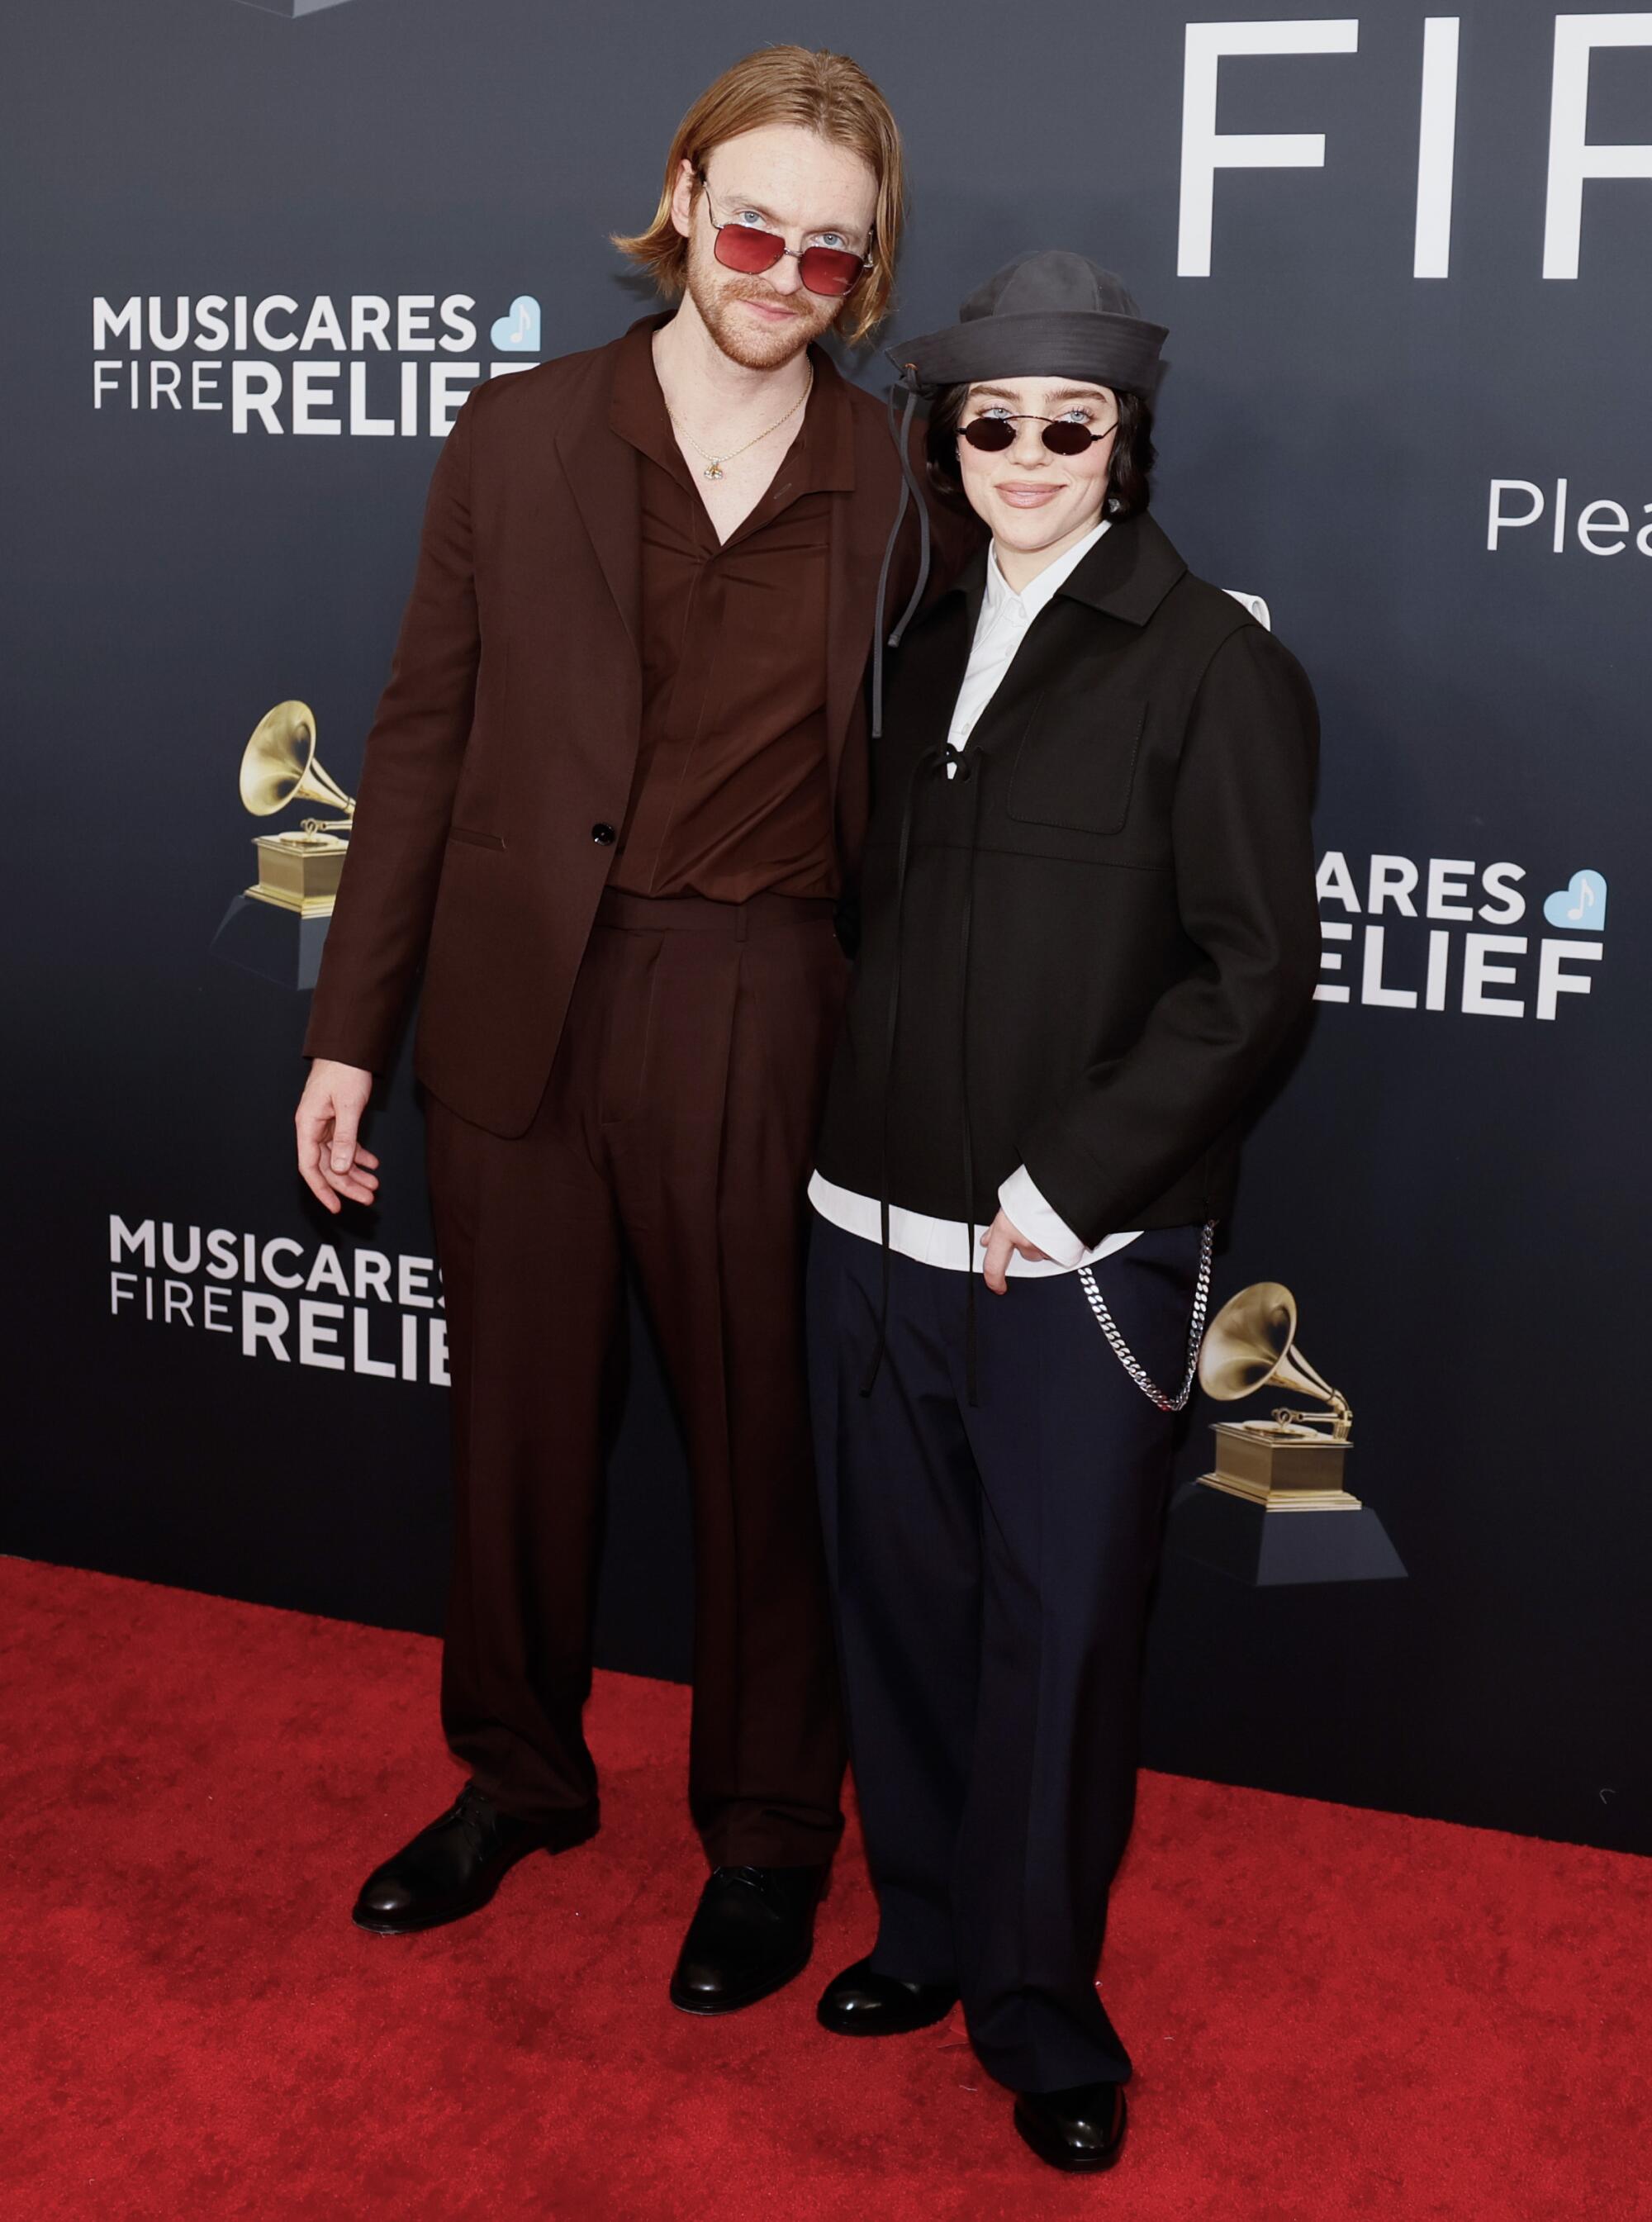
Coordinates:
x,y
677,1127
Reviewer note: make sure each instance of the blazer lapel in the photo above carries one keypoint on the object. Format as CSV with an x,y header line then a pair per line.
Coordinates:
x,y
854,547
601,471
845,637
1051,640
1124,577
971,583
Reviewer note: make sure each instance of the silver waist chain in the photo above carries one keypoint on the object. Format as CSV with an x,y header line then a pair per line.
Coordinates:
x,y
1122,1350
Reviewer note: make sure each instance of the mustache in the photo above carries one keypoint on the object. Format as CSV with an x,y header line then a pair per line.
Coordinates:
x,y
764,298
743,290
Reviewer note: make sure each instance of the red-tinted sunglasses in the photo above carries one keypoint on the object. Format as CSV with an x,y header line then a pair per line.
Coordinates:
x,y
748,247
992,435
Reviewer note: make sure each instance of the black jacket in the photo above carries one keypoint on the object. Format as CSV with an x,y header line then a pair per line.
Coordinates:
x,y
1084,951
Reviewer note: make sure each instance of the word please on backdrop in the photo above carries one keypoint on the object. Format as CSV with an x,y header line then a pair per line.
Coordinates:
x,y
1601,527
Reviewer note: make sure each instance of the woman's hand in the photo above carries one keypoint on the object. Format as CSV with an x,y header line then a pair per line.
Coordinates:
x,y
1003,1239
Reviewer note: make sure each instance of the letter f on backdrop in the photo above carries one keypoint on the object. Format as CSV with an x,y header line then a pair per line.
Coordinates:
x,y
1205,150
1573,157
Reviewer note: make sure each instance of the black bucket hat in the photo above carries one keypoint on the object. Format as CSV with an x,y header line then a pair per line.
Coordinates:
x,y
1048,314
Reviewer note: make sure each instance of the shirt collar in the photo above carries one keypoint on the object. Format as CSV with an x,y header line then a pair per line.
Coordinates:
x,y
1001,598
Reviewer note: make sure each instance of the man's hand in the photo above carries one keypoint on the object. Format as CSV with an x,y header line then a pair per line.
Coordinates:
x,y
332,1161
1003,1239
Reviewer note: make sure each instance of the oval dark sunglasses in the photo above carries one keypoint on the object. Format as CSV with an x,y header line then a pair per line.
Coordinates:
x,y
992,435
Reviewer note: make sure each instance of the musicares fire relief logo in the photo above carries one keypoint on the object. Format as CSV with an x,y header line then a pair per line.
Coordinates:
x,y
1440,957
365,366
336,1307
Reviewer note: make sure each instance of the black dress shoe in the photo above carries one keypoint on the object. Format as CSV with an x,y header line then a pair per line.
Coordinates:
x,y
753,1931
1080,2130
456,1865
862,2002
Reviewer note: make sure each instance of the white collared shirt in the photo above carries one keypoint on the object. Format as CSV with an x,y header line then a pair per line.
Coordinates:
x,y
999,630
1001,627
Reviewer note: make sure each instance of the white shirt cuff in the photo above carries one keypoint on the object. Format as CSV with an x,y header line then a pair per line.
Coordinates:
x,y
1038,1221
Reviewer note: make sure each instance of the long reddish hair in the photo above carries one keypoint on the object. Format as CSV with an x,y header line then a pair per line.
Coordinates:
x,y
822,92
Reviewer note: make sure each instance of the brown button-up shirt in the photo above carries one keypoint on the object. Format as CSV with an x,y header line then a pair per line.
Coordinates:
x,y
732,794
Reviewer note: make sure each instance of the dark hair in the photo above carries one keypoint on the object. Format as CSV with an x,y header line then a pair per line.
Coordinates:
x,y
1129,469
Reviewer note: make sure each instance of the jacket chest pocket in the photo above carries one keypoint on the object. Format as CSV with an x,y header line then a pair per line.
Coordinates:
x,y
1076,763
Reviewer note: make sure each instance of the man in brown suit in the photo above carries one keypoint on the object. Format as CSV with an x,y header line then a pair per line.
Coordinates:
x,y
609,800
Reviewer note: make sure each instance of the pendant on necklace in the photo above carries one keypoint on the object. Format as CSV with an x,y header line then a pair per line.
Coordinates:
x,y
712,471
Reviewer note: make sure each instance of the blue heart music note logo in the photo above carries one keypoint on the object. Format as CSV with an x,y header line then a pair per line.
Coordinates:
x,y
1580,906
516,332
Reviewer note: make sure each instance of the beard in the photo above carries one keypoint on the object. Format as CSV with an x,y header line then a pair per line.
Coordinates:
x,y
740,338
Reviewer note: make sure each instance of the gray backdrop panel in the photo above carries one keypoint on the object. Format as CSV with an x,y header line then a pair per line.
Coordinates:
x,y
1454,1193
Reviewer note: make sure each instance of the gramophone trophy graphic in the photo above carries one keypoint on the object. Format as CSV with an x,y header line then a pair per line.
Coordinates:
x,y
1276,1509
276,927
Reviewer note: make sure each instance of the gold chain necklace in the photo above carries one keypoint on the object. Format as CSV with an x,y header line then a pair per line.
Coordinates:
x,y
714,463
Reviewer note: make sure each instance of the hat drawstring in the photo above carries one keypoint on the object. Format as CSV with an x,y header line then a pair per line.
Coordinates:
x,y
940,759
969,769
910,491
916,491
931,759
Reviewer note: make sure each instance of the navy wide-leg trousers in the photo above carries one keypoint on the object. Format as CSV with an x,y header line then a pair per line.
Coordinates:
x,y
990,1565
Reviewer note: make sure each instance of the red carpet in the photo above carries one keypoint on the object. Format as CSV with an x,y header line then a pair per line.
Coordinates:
x,y
1334,2014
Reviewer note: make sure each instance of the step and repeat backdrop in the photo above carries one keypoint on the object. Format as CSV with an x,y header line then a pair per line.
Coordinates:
x,y
258,250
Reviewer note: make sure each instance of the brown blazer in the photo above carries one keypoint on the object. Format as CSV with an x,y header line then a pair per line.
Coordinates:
x,y
509,729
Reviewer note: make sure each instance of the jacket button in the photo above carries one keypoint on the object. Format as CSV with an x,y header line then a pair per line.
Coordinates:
x,y
602,832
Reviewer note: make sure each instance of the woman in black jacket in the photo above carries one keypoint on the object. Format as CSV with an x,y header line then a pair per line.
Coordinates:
x,y
1088,927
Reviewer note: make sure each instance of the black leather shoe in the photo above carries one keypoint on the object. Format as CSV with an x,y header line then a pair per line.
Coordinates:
x,y
454,1866
753,1931
862,2002
1080,2130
